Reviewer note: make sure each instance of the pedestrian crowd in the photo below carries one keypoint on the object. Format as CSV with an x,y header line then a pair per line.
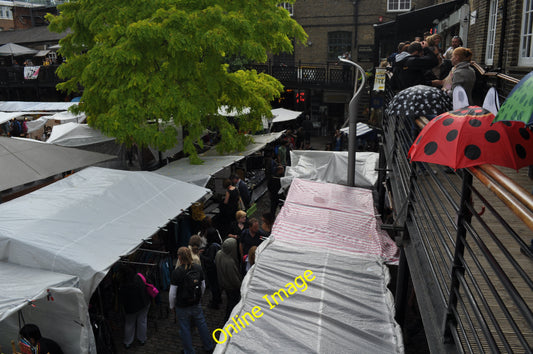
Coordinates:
x,y
424,62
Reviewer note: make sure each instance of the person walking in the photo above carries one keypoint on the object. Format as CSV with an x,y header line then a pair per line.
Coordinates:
x,y
186,288
229,275
135,301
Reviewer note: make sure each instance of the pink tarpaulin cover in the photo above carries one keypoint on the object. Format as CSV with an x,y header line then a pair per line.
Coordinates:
x,y
332,216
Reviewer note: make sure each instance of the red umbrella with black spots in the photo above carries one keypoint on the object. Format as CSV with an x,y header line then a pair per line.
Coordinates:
x,y
466,137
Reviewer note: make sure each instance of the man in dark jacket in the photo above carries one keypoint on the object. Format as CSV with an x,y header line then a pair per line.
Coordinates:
x,y
411,69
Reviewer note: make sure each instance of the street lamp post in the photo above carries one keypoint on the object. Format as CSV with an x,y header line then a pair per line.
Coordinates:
x,y
352,125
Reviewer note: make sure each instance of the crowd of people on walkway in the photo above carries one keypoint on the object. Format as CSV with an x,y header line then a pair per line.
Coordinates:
x,y
424,62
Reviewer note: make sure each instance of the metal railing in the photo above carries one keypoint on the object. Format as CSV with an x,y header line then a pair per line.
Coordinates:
x,y
463,238
322,75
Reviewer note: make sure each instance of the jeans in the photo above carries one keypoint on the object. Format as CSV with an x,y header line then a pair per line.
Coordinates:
x,y
184,315
133,320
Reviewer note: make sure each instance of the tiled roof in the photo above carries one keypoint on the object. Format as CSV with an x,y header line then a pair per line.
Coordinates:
x,y
33,35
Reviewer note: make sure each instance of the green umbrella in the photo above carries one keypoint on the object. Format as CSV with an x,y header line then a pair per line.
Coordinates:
x,y
519,105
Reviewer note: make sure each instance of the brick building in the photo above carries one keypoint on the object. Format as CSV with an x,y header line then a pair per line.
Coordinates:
x,y
501,35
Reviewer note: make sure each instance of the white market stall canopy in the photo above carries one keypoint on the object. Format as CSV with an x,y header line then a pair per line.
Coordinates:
x,y
330,230
5,116
44,298
25,160
332,167
23,106
67,117
12,49
200,175
81,225
225,111
284,115
74,134
214,162
362,129
259,143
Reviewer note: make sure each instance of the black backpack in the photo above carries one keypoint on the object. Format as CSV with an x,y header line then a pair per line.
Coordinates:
x,y
190,289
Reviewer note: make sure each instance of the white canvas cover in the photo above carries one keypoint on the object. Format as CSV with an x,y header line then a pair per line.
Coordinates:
x,y
200,175
26,160
259,143
362,129
5,116
27,106
50,300
213,162
284,115
332,231
225,111
332,167
67,117
74,134
12,49
80,225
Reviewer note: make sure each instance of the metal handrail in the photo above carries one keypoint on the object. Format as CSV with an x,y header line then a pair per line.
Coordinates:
x,y
484,303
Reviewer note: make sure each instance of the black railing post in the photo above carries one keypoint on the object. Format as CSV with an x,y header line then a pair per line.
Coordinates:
x,y
402,286
464,216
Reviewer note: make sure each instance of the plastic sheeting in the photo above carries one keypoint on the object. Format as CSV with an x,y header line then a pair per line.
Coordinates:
x,y
332,167
362,129
83,223
213,162
25,160
67,117
73,135
284,115
197,174
24,106
61,316
347,307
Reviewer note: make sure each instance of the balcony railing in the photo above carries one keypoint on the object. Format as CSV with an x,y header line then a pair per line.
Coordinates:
x,y
320,75
464,238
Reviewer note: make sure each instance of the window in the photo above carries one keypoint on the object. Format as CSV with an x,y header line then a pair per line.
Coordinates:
x,y
5,13
526,37
338,43
287,6
491,32
398,5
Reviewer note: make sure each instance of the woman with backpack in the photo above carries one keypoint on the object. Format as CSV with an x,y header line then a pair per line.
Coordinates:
x,y
186,287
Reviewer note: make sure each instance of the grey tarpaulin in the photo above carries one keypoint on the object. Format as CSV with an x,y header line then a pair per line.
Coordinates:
x,y
329,230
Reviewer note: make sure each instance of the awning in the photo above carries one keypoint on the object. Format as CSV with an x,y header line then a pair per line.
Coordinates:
x,y
213,162
67,116
74,134
5,116
12,49
25,160
225,111
412,23
362,129
42,53
23,106
29,292
82,224
284,115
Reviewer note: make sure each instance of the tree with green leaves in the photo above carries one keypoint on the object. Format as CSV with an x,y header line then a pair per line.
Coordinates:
x,y
147,67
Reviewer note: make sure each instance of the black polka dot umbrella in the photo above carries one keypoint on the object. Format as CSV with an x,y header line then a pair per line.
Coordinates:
x,y
466,137
419,100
